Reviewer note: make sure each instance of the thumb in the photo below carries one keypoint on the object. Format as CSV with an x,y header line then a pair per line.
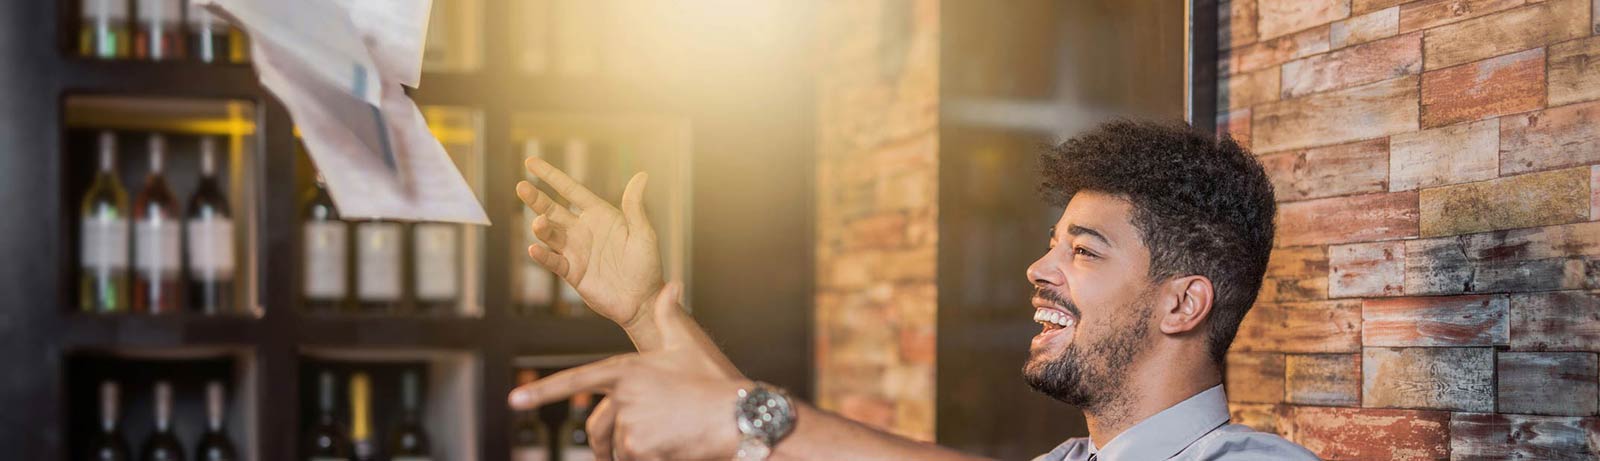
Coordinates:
x,y
633,205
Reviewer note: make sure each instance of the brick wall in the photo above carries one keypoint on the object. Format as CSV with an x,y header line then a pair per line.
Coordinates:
x,y
877,209
1435,293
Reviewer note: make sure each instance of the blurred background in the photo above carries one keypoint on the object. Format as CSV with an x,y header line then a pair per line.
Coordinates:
x,y
848,189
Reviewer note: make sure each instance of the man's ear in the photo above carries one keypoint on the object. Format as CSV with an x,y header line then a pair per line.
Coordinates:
x,y
1192,296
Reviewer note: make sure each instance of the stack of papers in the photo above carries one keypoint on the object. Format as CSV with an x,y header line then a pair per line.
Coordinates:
x,y
339,66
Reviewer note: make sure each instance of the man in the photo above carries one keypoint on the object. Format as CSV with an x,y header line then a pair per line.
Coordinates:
x,y
1154,262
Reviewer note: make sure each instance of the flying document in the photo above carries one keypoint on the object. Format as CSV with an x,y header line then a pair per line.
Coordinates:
x,y
338,66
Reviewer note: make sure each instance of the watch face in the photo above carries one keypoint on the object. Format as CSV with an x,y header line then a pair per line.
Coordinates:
x,y
765,414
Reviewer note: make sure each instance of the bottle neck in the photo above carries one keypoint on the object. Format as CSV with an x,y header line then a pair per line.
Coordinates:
x,y
214,406
158,156
163,407
325,397
360,425
108,152
108,406
208,158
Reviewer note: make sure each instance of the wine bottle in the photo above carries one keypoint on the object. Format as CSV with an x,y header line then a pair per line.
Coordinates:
x,y
574,435
103,248
575,161
326,441
156,239
214,443
163,445
379,265
158,34
362,446
104,31
537,285
530,438
436,268
409,441
325,260
108,444
208,36
210,239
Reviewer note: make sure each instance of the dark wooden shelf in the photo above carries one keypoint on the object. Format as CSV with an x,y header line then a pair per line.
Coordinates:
x,y
143,331
389,331
149,78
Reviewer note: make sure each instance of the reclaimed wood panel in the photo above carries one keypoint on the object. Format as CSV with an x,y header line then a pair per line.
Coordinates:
x,y
1344,169
1263,417
1574,71
1295,274
1254,377
1362,64
1436,321
1379,24
1500,437
1248,89
1236,26
1456,379
1364,112
1339,433
1367,269
1268,53
1442,156
1552,138
1323,379
1308,327
1535,199
1236,124
1428,14
1556,321
1280,17
1498,86
1548,383
1516,261
1356,218
1368,6
1594,193
1510,31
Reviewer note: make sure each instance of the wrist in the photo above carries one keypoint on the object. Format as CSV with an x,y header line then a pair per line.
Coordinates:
x,y
644,329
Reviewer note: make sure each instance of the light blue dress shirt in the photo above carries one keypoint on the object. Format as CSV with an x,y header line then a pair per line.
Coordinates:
x,y
1193,430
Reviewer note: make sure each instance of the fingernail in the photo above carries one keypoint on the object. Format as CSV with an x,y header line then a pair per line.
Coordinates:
x,y
519,399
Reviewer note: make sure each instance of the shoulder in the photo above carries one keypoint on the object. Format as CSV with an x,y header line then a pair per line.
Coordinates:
x,y
1235,442
1072,449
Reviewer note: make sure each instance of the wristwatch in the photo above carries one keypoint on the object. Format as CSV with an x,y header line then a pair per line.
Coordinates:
x,y
765,417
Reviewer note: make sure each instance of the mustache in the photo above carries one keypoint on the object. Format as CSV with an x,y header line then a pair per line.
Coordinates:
x,y
1056,299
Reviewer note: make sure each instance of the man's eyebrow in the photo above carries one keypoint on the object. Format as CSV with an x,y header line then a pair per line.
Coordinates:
x,y
1076,230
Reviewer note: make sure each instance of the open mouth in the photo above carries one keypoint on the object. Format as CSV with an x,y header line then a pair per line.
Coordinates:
x,y
1053,320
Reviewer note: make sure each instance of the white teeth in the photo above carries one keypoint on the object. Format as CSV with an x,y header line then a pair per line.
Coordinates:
x,y
1054,317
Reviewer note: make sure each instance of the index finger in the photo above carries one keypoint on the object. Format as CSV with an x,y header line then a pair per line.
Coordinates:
x,y
575,193
598,376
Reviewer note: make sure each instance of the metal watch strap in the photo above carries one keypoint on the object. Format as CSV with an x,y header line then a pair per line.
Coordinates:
x,y
764,416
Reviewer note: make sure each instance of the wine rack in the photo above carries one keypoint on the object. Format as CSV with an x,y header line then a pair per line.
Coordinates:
x,y
484,104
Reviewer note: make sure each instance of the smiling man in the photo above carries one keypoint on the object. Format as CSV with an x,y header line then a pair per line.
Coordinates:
x,y
1151,267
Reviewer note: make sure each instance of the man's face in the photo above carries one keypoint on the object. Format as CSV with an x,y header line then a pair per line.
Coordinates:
x,y
1092,297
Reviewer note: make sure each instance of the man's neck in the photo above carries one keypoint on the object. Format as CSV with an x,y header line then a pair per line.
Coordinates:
x,y
1151,390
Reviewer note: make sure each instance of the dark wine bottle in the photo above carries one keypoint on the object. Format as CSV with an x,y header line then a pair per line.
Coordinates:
x,y
158,35
163,445
410,441
156,239
108,444
362,445
325,242
326,441
574,435
530,438
104,31
210,239
214,443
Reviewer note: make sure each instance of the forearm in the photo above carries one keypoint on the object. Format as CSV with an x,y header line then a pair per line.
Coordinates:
x,y
821,435
674,328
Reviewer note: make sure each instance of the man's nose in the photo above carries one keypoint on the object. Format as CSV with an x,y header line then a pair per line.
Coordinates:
x,y
1044,272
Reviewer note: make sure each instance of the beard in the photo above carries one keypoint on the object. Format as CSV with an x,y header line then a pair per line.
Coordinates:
x,y
1091,376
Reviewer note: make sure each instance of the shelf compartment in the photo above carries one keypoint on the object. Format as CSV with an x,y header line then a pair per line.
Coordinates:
x,y
451,382
187,369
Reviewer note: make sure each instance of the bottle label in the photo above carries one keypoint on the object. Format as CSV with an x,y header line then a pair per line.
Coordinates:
x,y
211,249
530,454
435,246
155,247
104,244
576,453
378,261
325,259
411,458
327,458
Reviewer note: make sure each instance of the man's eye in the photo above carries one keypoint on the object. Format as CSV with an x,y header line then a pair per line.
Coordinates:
x,y
1079,251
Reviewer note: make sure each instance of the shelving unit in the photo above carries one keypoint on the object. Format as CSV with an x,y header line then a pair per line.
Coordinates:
x,y
48,346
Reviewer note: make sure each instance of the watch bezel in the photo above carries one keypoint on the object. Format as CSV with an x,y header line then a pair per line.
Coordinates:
x,y
763,400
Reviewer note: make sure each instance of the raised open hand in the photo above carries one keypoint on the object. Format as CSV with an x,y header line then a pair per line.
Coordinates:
x,y
611,256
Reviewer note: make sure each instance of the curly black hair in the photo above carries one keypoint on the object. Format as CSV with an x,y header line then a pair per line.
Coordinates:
x,y
1203,205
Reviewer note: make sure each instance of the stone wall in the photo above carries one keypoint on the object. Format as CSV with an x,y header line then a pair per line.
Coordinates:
x,y
877,211
1435,293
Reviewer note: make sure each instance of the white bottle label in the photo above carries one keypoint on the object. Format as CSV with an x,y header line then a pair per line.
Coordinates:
x,y
327,458
378,261
435,246
577,453
530,454
105,243
325,259
155,247
411,458
210,249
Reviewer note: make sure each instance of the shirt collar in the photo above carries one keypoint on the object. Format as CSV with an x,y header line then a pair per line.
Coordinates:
x,y
1167,433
